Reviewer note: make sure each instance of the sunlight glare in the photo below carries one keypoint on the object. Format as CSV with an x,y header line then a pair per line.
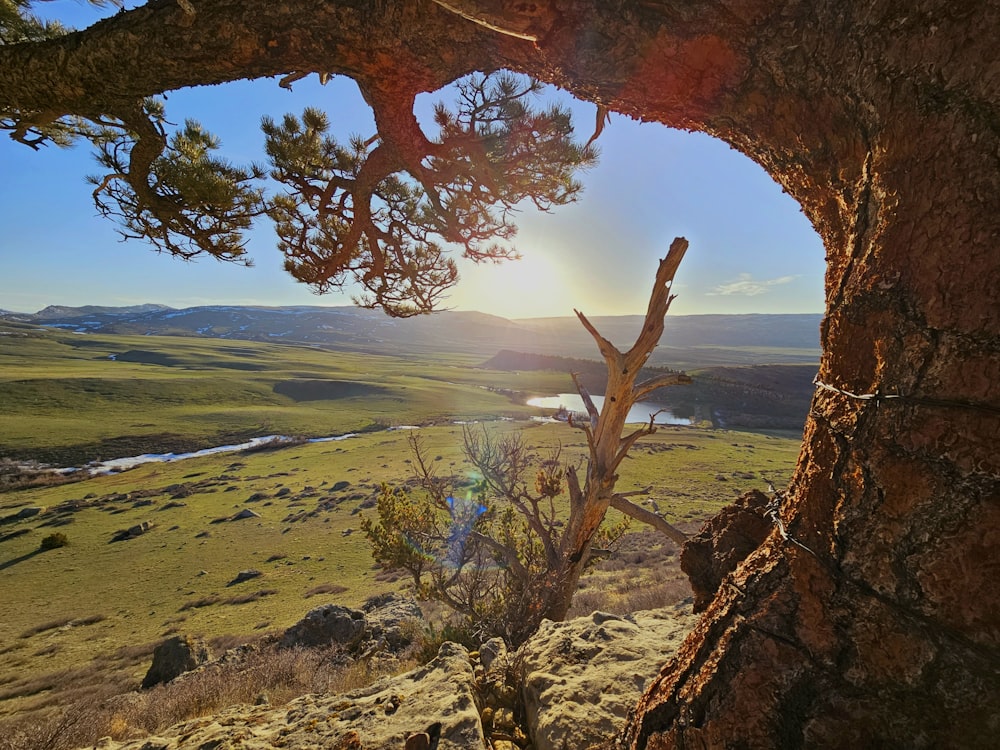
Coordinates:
x,y
535,286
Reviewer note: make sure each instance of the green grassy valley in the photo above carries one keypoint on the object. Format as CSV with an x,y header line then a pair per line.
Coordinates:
x,y
89,613
67,398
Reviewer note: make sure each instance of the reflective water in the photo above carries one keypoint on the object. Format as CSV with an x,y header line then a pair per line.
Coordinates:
x,y
638,413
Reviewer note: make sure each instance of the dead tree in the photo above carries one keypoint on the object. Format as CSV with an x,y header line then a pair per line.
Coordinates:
x,y
507,556
607,446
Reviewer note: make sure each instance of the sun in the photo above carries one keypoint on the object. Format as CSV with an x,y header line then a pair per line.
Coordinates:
x,y
534,286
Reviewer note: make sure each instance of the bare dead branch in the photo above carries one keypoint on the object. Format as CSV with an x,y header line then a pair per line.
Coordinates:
x,y
436,487
629,440
620,503
607,349
509,27
587,400
646,387
659,303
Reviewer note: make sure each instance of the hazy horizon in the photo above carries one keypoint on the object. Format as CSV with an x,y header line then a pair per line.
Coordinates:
x,y
317,305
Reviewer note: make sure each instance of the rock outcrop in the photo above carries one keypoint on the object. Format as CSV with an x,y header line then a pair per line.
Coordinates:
x,y
437,699
174,657
381,623
582,676
132,532
570,686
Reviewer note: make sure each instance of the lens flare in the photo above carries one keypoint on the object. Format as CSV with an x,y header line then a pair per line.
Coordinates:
x,y
463,518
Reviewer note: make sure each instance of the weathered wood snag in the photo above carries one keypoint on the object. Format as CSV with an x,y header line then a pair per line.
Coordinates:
x,y
881,119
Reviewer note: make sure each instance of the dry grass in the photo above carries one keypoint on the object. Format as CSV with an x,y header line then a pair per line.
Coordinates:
x,y
63,622
643,573
20,476
325,588
260,674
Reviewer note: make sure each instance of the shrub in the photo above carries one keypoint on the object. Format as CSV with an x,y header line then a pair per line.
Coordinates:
x,y
52,541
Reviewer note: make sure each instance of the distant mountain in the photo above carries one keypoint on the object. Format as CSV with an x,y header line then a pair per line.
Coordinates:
x,y
56,312
688,340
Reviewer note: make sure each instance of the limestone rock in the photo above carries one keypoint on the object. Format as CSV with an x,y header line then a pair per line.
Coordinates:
x,y
379,717
582,676
380,624
245,513
174,657
723,543
132,532
387,617
325,625
493,650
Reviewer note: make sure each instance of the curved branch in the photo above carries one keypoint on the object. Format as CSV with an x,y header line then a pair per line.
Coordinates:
x,y
608,350
646,387
495,18
620,503
592,411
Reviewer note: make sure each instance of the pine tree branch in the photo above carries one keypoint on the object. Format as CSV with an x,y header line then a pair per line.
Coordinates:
x,y
509,555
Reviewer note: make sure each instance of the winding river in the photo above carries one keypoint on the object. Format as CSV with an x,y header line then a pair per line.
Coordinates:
x,y
566,401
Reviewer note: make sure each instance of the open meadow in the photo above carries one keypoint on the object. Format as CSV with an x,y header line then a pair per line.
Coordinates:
x,y
89,613
68,398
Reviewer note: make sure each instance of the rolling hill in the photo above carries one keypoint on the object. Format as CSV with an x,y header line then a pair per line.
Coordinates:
x,y
688,341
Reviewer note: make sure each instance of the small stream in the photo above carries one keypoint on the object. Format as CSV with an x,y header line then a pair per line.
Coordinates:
x,y
565,401
115,465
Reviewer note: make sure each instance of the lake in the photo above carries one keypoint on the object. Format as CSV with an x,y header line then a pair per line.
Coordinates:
x,y
638,413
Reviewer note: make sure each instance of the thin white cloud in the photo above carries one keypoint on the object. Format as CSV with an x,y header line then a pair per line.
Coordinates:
x,y
747,286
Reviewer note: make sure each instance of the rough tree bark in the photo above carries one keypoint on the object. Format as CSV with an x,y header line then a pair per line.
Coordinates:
x,y
881,119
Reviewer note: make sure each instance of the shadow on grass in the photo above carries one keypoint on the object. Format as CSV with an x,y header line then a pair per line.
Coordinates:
x,y
14,561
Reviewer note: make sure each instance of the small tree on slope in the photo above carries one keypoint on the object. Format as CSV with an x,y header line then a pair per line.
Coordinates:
x,y
504,555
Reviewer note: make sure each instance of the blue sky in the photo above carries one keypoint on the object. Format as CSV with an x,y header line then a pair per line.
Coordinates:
x,y
751,250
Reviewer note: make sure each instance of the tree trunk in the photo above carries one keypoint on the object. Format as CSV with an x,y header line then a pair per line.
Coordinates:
x,y
881,625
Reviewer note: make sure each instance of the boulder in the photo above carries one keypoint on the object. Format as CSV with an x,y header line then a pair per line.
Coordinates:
x,y
382,624
723,543
245,575
582,676
132,532
389,619
436,700
174,657
326,625
245,513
